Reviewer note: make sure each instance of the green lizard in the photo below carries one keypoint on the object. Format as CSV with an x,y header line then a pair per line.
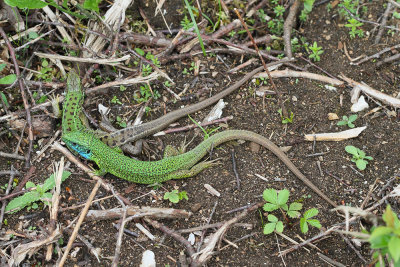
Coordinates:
x,y
173,167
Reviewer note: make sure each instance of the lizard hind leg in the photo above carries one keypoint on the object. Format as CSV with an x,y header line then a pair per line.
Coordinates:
x,y
196,169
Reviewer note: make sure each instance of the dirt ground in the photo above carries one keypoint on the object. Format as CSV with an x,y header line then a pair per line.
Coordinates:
x,y
310,103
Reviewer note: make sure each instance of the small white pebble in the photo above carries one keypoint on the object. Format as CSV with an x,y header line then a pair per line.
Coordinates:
x,y
191,239
148,259
360,105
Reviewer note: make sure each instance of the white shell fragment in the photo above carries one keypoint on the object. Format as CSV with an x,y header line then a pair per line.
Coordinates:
x,y
330,88
211,190
103,109
360,105
148,259
216,112
191,239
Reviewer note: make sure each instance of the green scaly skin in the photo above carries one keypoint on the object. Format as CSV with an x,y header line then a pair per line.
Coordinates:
x,y
174,167
72,107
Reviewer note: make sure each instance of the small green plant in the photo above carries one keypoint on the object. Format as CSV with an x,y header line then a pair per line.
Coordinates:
x,y
39,99
286,120
145,94
146,70
121,122
350,5
262,16
36,4
9,79
38,194
175,196
306,220
279,201
4,187
274,225
279,10
385,240
348,121
359,157
115,100
207,132
316,51
186,23
308,6
45,72
354,28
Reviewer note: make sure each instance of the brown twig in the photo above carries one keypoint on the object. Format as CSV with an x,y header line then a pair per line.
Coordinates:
x,y
13,156
79,223
55,204
388,60
287,28
120,232
383,23
25,101
3,207
235,169
376,55
176,236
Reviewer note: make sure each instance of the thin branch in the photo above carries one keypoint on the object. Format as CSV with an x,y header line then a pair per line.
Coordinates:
x,y
287,28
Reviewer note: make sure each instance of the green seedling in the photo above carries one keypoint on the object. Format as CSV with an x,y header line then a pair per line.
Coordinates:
x,y
350,5
308,6
145,94
316,51
348,121
175,196
115,100
37,4
273,225
207,133
262,16
354,28
39,193
306,220
385,240
279,10
186,23
121,122
279,201
286,120
359,157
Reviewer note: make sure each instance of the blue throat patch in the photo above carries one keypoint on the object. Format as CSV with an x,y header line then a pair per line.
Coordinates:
x,y
82,151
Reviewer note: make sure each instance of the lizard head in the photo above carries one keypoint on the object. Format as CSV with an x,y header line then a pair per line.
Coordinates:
x,y
80,142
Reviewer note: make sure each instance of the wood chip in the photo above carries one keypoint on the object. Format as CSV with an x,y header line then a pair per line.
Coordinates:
x,y
211,190
339,136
